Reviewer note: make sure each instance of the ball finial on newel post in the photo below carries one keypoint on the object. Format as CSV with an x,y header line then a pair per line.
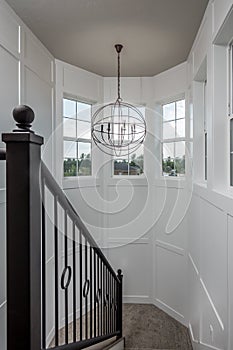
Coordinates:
x,y
24,116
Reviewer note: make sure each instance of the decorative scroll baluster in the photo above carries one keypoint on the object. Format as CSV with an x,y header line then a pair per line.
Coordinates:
x,y
90,292
102,297
95,293
111,331
56,286
114,303
66,289
109,301
74,284
81,284
85,294
99,294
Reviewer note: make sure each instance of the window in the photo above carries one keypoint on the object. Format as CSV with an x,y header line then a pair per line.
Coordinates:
x,y
173,144
131,164
76,138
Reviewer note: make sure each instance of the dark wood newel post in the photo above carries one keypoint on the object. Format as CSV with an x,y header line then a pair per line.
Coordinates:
x,y
23,158
119,303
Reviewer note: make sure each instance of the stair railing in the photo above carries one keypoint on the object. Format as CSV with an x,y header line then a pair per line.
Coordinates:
x,y
87,293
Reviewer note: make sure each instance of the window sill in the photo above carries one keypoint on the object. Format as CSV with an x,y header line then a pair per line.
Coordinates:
x,y
170,182
80,182
124,180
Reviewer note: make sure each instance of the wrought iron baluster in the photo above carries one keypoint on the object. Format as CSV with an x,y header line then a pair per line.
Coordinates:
x,y
107,301
102,298
74,283
90,292
99,294
81,284
66,289
85,294
43,265
114,302
104,304
110,302
56,290
95,293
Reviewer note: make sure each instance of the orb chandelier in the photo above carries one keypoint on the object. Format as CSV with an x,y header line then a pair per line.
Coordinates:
x,y
118,128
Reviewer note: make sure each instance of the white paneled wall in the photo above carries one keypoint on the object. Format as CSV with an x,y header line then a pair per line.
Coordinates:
x,y
210,228
182,261
26,71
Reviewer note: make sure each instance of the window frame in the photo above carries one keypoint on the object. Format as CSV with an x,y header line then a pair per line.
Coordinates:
x,y
174,139
140,176
76,139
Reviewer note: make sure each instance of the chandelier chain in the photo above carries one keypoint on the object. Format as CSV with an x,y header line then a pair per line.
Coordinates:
x,y
119,72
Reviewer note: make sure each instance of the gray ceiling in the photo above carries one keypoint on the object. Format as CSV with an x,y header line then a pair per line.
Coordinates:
x,y
156,34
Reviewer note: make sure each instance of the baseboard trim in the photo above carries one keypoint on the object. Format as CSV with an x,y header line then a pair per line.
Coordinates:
x,y
203,346
137,299
191,334
170,311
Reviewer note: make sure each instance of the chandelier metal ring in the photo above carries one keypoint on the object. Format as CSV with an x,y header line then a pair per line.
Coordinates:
x,y
119,127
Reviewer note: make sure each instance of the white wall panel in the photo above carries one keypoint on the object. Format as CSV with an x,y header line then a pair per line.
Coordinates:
x,y
135,261
170,281
194,231
220,11
81,83
230,278
214,256
212,332
171,83
9,90
2,253
37,58
131,89
9,30
165,204
194,290
202,44
38,95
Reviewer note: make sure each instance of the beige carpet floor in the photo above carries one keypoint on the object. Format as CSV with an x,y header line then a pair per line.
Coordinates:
x,y
145,327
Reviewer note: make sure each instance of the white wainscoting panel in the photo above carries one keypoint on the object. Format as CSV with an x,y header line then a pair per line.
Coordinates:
x,y
214,256
2,253
9,31
230,279
136,270
9,91
170,279
194,290
37,58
